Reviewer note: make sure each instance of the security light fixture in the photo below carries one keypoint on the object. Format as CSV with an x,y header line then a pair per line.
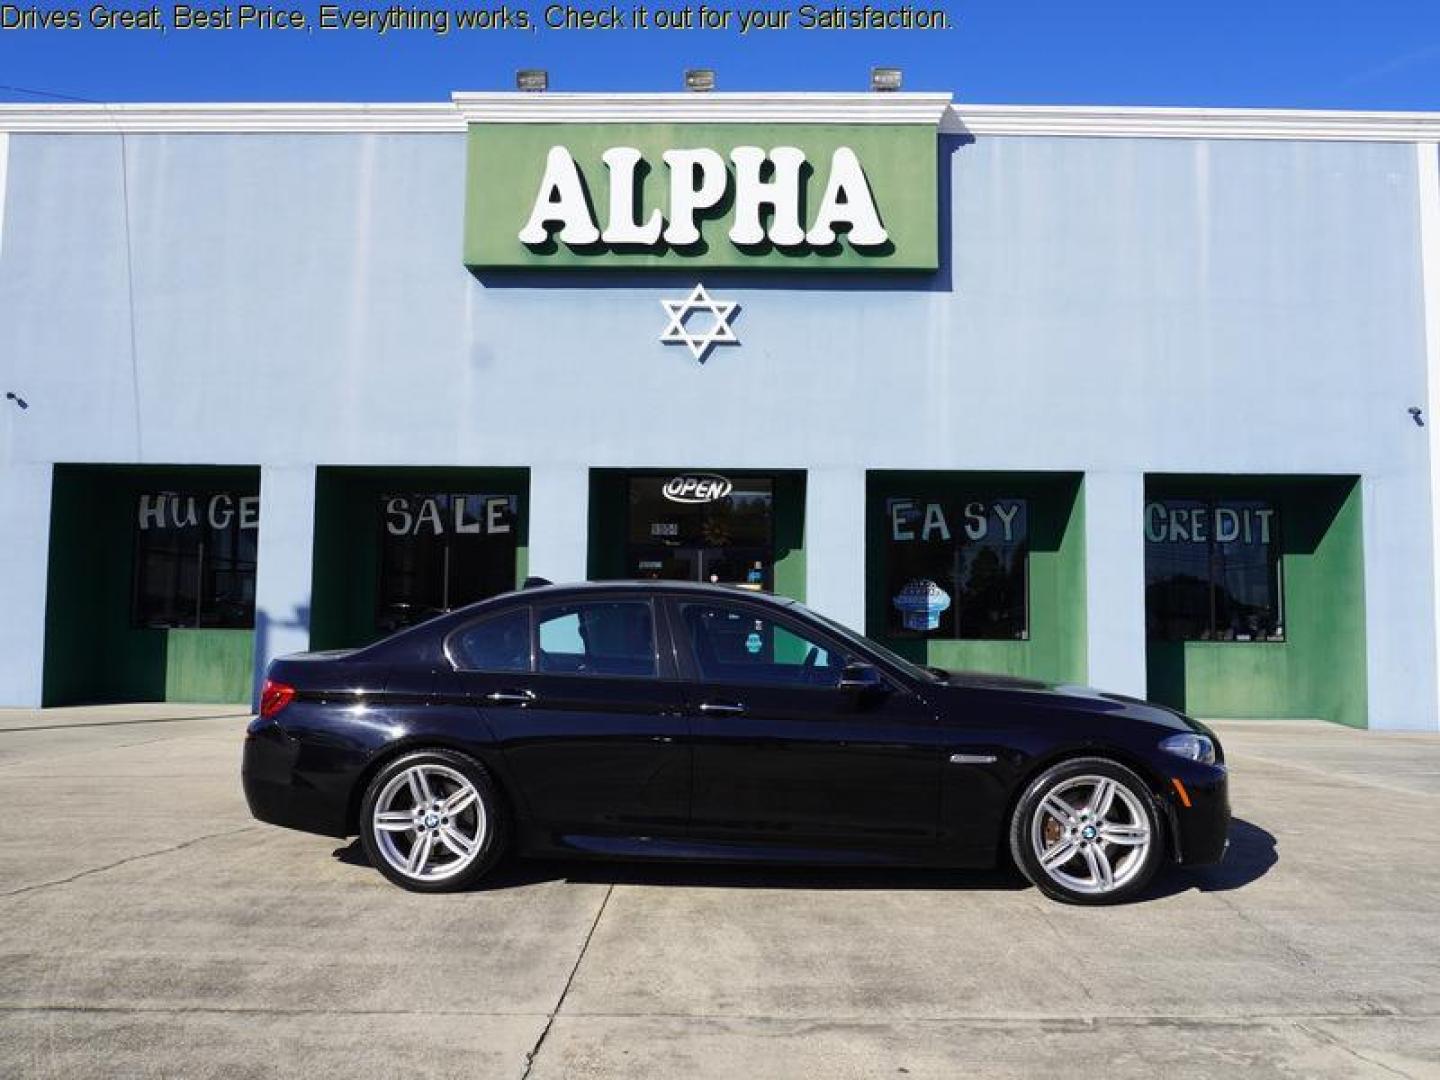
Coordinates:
x,y
1417,415
10,395
699,79
885,79
532,80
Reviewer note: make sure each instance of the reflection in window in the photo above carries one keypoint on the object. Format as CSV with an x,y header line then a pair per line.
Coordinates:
x,y
957,569
1212,571
195,559
736,645
499,643
615,638
439,552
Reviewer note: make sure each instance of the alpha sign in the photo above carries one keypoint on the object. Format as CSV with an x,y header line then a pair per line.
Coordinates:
x,y
763,209
754,196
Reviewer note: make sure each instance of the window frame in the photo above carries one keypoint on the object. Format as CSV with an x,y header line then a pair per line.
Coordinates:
x,y
690,662
447,645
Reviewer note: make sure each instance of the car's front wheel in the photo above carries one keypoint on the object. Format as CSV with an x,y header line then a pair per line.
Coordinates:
x,y
1088,831
433,821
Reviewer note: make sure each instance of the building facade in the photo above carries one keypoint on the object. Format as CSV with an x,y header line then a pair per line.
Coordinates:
x,y
1137,397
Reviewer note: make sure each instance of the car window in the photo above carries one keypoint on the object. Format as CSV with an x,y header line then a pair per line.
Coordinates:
x,y
740,645
499,643
616,638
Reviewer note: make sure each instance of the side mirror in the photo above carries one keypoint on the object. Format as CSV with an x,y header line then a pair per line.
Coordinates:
x,y
861,679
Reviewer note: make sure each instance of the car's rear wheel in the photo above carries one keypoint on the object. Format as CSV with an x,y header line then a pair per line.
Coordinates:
x,y
433,821
1088,831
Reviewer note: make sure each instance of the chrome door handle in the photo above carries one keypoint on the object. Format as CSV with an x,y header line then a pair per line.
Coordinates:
x,y
510,697
722,707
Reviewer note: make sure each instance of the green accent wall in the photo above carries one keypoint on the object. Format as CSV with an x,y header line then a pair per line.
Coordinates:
x,y
92,651
346,572
609,509
1056,647
209,665
506,163
1319,669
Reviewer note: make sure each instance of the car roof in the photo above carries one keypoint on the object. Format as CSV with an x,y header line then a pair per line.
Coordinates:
x,y
684,588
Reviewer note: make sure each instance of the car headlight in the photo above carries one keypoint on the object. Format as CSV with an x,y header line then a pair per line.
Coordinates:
x,y
1190,745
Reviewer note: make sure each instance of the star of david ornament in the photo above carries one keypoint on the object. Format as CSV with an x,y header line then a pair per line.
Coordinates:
x,y
699,343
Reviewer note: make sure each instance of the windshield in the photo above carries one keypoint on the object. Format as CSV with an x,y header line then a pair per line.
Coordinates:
x,y
914,670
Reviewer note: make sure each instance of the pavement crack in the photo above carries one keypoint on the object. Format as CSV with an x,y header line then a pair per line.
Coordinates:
x,y
23,890
123,723
1041,908
534,1051
1341,1044
250,1011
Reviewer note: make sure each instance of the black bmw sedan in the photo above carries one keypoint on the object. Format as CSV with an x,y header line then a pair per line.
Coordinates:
x,y
665,720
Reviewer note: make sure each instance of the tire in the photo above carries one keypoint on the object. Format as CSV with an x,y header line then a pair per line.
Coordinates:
x,y
461,827
1107,858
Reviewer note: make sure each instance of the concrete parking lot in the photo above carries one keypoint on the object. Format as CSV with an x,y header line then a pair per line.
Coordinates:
x,y
149,927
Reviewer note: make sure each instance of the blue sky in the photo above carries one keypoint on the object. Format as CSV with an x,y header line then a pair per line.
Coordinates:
x,y
1380,54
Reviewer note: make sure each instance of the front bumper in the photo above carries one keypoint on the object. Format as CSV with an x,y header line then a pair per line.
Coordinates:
x,y
1200,817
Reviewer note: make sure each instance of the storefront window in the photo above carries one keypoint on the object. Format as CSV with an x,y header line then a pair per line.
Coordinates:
x,y
442,551
702,527
1212,571
958,568
195,559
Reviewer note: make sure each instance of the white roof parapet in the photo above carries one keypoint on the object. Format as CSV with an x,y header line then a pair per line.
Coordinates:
x,y
1134,122
258,118
790,108
706,108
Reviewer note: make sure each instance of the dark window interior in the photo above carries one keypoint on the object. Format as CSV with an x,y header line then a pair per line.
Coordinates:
x,y
728,541
958,568
1212,570
442,551
195,559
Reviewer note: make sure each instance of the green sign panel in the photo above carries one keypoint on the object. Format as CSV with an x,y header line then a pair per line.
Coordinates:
x,y
670,196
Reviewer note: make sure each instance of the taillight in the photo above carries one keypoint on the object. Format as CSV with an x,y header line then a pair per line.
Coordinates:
x,y
274,697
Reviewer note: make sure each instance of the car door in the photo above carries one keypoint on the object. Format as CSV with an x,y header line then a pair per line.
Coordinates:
x,y
783,755
589,720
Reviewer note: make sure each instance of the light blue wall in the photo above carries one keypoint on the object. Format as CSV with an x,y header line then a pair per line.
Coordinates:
x,y
1112,306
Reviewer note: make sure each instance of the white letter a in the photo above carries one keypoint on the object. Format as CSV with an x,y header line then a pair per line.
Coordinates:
x,y
561,199
847,200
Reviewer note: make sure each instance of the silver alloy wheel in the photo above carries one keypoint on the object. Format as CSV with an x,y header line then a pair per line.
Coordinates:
x,y
1090,834
429,822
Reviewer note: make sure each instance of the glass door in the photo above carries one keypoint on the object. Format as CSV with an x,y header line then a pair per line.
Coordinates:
x,y
702,527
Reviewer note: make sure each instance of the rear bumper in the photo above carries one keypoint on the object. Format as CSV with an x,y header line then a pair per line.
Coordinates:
x,y
1201,828
277,789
